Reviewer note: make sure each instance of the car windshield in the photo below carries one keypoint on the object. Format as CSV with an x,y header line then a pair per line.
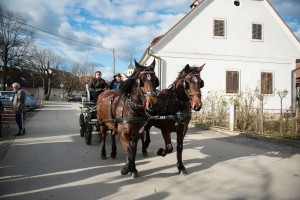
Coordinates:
x,y
7,94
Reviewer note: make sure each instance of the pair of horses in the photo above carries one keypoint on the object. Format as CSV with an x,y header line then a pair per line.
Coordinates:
x,y
136,107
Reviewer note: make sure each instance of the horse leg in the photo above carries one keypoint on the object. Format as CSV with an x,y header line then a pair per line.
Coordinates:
x,y
180,137
144,148
168,144
130,147
103,131
113,145
132,155
145,143
148,140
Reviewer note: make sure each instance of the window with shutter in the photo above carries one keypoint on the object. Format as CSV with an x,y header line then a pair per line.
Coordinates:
x,y
232,82
219,28
266,83
256,31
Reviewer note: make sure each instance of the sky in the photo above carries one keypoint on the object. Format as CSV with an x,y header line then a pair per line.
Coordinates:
x,y
127,26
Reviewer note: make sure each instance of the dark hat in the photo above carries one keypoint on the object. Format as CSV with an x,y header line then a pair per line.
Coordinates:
x,y
118,74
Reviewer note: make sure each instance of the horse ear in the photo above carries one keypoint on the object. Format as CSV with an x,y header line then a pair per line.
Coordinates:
x,y
187,67
152,66
137,65
200,68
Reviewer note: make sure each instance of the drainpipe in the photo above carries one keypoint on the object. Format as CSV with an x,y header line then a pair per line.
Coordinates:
x,y
159,64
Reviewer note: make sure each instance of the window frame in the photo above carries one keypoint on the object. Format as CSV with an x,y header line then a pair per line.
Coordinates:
x,y
224,28
232,86
262,32
272,81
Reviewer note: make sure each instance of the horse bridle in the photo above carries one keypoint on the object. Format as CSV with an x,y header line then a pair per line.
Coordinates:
x,y
196,77
147,94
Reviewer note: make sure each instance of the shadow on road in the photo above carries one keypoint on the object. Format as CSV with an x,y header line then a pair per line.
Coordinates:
x,y
57,164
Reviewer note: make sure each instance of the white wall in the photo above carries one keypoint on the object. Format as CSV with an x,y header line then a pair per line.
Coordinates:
x,y
192,42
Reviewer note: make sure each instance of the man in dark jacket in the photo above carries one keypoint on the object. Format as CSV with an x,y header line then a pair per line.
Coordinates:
x,y
96,86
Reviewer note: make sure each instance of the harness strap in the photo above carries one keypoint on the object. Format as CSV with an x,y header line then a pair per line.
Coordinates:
x,y
177,117
126,120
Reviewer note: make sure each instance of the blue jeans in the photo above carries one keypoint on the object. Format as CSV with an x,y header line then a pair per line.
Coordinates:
x,y
20,119
95,96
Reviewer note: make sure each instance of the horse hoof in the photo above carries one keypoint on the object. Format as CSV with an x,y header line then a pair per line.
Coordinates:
x,y
134,174
161,152
103,157
145,153
113,156
183,172
124,171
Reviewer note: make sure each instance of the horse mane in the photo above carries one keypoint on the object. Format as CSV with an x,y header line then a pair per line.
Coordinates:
x,y
126,86
185,71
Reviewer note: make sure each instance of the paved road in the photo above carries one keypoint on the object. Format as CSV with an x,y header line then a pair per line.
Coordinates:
x,y
53,162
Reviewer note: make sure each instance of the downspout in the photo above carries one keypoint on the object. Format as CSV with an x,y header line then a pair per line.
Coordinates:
x,y
159,64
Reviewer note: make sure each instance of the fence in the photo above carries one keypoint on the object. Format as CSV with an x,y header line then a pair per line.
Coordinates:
x,y
266,122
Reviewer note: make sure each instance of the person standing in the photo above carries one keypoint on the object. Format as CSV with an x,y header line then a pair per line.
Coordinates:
x,y
97,85
19,105
115,84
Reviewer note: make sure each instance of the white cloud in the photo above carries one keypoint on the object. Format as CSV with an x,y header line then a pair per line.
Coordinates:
x,y
126,25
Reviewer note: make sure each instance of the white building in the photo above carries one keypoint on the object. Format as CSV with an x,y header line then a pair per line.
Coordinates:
x,y
244,43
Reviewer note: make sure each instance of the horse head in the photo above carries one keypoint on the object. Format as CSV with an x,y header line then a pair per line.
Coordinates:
x,y
147,83
189,83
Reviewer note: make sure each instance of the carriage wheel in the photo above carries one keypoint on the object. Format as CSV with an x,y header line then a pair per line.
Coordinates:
x,y
88,134
82,125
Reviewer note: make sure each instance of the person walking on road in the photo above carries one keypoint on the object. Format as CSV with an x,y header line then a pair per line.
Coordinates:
x,y
19,106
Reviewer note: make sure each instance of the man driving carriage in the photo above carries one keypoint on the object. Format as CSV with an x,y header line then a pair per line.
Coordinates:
x,y
96,86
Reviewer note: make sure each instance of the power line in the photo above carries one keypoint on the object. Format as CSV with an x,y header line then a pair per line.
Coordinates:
x,y
56,34
70,42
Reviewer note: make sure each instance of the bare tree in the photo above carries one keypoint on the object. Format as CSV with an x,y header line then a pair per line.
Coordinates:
x,y
48,66
88,68
15,41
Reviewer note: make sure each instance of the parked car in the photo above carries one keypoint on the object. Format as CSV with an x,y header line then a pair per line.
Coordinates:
x,y
5,97
33,103
75,98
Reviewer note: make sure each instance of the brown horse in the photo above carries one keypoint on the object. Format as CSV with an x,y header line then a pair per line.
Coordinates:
x,y
173,112
125,112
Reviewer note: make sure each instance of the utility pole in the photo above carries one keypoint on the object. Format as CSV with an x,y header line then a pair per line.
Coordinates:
x,y
113,52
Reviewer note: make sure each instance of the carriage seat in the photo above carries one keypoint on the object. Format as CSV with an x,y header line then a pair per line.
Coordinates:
x,y
89,97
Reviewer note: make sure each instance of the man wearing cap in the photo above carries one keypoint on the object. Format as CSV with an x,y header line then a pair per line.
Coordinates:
x,y
96,86
115,84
